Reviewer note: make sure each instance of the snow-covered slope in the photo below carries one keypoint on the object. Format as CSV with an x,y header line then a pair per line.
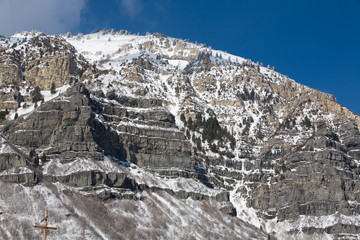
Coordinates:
x,y
182,125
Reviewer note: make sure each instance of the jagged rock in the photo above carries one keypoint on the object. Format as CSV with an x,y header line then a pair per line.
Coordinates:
x,y
69,127
56,69
223,197
63,125
229,209
10,71
342,228
10,160
41,61
135,102
27,179
90,178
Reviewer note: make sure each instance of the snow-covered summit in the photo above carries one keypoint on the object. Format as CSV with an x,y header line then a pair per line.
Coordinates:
x,y
122,46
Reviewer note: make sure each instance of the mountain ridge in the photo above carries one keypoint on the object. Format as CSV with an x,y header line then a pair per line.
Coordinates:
x,y
133,112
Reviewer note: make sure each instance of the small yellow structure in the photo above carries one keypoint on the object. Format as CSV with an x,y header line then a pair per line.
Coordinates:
x,y
45,227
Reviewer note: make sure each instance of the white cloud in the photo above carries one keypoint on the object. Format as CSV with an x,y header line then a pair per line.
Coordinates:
x,y
131,7
48,16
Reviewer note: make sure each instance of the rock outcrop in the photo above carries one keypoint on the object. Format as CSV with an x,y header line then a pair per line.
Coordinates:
x,y
70,126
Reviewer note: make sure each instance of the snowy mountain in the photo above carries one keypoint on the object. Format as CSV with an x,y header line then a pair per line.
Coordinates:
x,y
156,137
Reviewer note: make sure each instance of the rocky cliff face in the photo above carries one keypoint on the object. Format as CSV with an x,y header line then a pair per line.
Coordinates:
x,y
32,60
152,121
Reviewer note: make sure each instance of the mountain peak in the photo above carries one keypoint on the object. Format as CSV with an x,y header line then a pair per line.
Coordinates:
x,y
155,122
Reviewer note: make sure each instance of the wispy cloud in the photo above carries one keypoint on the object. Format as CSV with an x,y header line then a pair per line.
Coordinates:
x,y
49,16
131,8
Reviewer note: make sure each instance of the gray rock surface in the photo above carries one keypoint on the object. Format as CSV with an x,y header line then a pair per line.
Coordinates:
x,y
10,160
89,178
27,179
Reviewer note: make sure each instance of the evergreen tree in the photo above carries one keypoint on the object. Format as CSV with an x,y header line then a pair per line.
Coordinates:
x,y
232,143
212,130
36,161
188,133
52,89
199,120
182,118
36,94
213,148
190,123
198,143
3,114
195,151
252,95
43,158
307,122
32,153
246,95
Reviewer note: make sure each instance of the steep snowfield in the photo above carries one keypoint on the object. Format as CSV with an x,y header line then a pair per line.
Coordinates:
x,y
109,50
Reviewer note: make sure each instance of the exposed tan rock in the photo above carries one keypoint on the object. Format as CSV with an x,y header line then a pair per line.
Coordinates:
x,y
10,71
56,69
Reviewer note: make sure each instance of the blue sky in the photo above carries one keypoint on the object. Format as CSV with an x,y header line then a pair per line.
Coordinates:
x,y
317,43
